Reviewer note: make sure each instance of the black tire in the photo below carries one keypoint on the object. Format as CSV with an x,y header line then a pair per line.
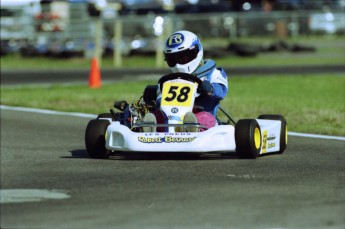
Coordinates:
x,y
283,132
95,138
248,138
105,115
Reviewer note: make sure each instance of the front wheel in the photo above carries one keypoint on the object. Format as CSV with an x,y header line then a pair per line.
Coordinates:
x,y
95,136
248,138
283,131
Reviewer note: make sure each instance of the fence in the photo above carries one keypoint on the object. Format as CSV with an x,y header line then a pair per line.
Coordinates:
x,y
147,33
75,32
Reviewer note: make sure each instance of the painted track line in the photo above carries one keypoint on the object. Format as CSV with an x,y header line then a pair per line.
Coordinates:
x,y
83,115
49,112
317,136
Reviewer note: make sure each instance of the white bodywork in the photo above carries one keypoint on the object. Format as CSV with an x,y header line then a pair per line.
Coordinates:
x,y
218,139
121,138
178,98
270,135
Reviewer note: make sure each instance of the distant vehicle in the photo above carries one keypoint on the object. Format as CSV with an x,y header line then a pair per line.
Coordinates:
x,y
203,6
327,22
326,16
16,24
143,7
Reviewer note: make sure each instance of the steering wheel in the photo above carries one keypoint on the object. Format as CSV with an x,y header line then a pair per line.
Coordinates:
x,y
184,76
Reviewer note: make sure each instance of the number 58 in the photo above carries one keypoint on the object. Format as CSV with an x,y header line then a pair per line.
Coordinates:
x,y
180,95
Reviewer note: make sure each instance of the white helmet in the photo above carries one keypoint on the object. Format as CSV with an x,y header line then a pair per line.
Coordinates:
x,y
183,52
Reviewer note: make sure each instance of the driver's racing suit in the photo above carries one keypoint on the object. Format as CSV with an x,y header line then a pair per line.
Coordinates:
x,y
206,104
217,77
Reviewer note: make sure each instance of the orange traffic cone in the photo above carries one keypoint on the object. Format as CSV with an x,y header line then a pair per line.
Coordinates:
x,y
95,75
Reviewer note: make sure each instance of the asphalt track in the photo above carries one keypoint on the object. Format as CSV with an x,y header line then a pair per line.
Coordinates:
x,y
302,188
48,181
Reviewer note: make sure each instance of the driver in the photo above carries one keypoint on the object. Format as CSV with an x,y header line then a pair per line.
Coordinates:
x,y
184,54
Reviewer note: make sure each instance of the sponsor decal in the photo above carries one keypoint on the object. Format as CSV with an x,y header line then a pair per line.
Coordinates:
x,y
150,140
270,138
271,145
173,117
166,139
174,110
177,134
264,142
175,40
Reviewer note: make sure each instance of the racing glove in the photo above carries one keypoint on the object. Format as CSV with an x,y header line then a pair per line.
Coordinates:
x,y
121,105
150,94
205,88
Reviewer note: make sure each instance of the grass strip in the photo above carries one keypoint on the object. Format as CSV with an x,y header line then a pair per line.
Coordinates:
x,y
310,103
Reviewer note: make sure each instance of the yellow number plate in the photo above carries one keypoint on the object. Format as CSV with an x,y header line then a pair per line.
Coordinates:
x,y
177,94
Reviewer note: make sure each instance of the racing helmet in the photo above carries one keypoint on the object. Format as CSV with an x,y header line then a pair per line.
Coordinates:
x,y
183,52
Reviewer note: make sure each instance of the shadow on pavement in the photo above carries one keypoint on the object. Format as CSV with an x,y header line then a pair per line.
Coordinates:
x,y
82,154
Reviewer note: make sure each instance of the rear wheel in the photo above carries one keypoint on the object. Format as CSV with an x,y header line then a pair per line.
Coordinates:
x,y
283,131
248,138
105,115
95,136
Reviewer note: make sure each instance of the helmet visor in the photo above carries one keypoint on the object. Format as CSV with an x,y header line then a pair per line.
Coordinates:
x,y
182,57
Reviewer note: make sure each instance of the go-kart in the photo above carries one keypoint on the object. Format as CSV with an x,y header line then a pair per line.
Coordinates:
x,y
115,133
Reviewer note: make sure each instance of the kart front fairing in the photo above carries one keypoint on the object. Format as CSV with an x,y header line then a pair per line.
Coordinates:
x,y
217,139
